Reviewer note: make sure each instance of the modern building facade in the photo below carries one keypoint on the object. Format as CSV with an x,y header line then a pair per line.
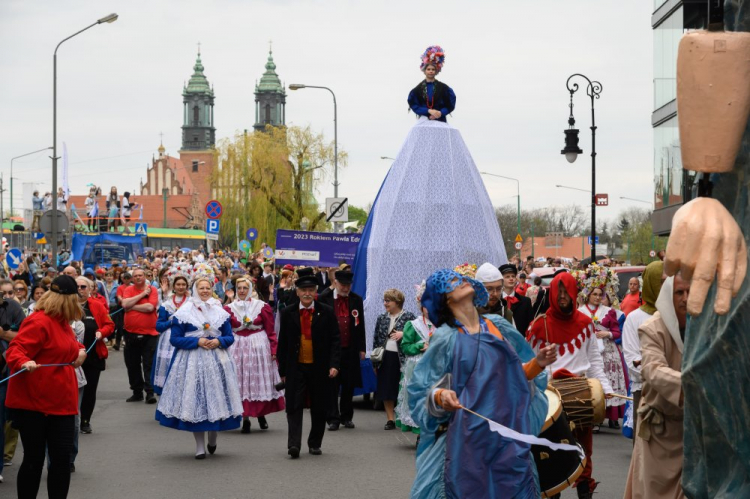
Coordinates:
x,y
673,186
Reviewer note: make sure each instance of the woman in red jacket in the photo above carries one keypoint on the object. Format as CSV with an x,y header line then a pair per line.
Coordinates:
x,y
98,326
44,402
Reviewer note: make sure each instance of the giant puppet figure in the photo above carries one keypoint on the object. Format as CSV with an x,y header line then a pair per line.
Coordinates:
x,y
708,242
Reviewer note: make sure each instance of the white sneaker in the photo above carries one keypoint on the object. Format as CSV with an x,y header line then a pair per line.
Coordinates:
x,y
1,478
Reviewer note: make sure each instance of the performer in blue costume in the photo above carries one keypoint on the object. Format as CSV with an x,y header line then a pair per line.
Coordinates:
x,y
431,98
201,392
432,210
484,364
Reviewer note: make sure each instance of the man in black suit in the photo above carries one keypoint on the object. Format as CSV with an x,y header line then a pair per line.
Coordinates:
x,y
309,355
350,315
519,304
324,281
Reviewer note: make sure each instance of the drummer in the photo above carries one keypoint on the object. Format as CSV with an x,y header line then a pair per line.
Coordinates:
x,y
578,355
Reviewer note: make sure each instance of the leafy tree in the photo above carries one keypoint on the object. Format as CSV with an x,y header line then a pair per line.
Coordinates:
x,y
359,215
267,179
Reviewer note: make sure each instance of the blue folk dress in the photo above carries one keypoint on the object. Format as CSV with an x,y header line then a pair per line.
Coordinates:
x,y
201,392
458,455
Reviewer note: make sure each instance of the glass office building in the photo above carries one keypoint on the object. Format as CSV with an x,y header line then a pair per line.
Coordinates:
x,y
673,186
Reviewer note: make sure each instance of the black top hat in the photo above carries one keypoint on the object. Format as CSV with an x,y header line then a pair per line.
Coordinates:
x,y
306,278
508,267
344,276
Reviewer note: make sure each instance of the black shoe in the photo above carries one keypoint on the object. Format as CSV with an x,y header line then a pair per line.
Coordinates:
x,y
417,444
116,347
333,426
348,424
390,425
616,425
595,429
200,456
245,426
136,397
315,451
583,491
150,398
262,423
86,428
72,468
294,452
211,449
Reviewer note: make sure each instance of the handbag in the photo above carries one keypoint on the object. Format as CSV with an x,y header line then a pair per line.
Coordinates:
x,y
377,354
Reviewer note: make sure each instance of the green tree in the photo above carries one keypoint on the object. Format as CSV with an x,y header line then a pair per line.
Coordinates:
x,y
267,180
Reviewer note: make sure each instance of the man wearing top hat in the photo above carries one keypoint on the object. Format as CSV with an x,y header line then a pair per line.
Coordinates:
x,y
518,304
309,356
350,315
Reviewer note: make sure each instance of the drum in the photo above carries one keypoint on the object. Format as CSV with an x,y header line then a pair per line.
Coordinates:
x,y
558,469
582,400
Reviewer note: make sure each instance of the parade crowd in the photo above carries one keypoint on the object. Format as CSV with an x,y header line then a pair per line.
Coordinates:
x,y
217,341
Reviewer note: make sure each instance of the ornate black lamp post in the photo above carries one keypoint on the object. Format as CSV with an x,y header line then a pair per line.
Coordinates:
x,y
571,151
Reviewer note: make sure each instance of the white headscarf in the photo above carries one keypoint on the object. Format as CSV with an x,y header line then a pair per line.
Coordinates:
x,y
665,306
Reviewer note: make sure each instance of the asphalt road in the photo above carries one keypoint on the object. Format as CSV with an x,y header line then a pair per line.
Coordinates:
x,y
130,455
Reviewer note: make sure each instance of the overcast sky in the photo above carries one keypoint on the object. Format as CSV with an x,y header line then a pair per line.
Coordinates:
x,y
120,85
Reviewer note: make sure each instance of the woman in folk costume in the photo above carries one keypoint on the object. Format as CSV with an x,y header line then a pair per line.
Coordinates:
x,y
201,393
254,354
164,322
592,284
484,364
416,339
431,98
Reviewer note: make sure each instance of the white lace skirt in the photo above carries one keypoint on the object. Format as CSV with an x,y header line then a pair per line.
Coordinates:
x,y
164,352
201,386
402,407
256,370
615,372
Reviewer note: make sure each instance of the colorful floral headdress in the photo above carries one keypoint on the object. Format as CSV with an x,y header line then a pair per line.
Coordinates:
x,y
419,289
433,55
178,269
203,270
597,277
467,269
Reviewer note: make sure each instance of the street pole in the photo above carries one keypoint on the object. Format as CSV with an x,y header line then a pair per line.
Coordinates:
x,y
164,193
571,151
297,86
518,191
11,172
106,19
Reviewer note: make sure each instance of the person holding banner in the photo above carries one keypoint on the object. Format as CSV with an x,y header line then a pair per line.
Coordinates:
x,y
475,362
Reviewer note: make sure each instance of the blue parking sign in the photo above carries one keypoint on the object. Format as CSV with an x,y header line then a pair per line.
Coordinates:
x,y
212,226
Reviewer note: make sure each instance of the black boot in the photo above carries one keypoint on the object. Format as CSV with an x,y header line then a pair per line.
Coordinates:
x,y
262,423
245,426
583,491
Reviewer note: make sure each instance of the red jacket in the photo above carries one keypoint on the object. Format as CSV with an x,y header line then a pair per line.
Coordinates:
x,y
49,390
103,322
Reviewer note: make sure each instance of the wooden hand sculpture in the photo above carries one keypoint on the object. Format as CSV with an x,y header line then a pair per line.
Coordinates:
x,y
706,240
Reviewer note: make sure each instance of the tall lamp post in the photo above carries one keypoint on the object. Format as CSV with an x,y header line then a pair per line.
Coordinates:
x,y
571,150
11,172
106,19
518,187
297,86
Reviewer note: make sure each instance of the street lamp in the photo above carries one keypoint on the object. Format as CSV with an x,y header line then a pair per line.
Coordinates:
x,y
518,186
387,157
573,188
297,86
638,200
106,19
571,150
11,172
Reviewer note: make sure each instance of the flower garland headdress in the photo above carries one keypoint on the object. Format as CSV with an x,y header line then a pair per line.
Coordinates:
x,y
596,276
434,55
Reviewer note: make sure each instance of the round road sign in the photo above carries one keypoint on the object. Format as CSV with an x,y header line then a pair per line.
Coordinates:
x,y
519,246
213,209
652,253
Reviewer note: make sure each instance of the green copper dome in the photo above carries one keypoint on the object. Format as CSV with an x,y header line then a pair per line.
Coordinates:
x,y
198,83
270,81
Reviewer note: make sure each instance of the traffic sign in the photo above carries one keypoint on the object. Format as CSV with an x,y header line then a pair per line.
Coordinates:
x,y
141,229
244,246
519,245
252,234
214,209
519,239
652,253
14,258
596,240
45,222
212,227
602,199
337,209
212,237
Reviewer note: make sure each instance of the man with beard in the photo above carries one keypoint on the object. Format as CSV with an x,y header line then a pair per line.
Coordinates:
x,y
492,279
350,314
518,304
578,354
656,464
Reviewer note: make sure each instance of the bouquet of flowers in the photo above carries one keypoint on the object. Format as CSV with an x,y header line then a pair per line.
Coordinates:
x,y
467,269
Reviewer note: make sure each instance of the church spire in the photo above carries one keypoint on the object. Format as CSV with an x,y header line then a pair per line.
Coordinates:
x,y
198,131
270,97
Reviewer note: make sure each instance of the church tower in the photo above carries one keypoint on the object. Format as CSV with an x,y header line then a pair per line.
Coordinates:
x,y
198,131
270,98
